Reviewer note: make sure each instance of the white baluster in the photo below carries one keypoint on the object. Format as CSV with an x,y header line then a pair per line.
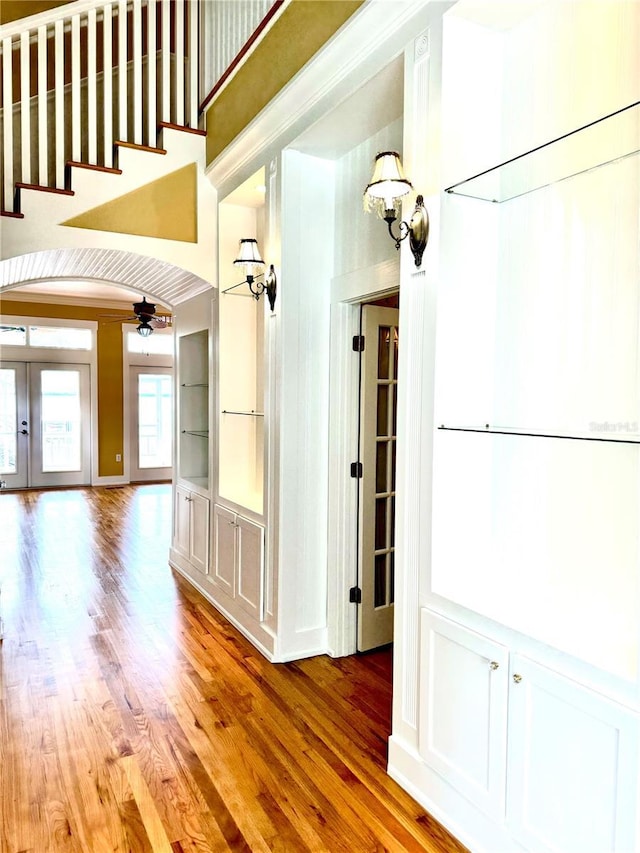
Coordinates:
x,y
43,166
192,118
107,83
92,88
25,116
76,108
151,71
179,73
7,100
59,101
122,70
137,72
166,56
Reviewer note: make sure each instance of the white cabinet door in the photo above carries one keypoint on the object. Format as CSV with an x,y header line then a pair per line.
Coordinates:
x,y
199,533
463,710
181,521
573,766
224,560
250,561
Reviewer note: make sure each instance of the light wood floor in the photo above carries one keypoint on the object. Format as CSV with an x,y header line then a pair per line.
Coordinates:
x,y
134,718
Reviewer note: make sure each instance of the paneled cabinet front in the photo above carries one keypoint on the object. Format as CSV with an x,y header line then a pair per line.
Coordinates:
x,y
191,528
552,760
239,560
463,710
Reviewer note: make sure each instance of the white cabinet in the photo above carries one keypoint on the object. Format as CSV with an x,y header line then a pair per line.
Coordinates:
x,y
493,721
191,528
239,560
572,765
463,710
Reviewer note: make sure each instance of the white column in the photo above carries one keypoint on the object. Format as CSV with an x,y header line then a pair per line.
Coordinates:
x,y
166,56
107,83
76,108
151,72
179,71
43,168
25,117
192,115
138,108
59,100
122,70
7,100
92,85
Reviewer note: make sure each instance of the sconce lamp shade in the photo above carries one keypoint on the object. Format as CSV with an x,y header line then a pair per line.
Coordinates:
x,y
144,329
249,256
388,183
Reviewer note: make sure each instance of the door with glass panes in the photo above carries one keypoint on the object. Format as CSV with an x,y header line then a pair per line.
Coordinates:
x,y
378,405
151,423
45,424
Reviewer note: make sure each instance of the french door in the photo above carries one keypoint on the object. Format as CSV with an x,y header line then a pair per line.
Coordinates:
x,y
45,424
151,423
378,402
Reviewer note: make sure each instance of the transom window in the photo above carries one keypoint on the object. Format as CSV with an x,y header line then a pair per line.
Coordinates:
x,y
51,337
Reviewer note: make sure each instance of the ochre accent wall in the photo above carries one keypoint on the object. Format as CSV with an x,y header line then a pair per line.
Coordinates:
x,y
166,208
295,37
110,373
13,10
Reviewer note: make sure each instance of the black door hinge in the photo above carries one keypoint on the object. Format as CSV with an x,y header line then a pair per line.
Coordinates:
x,y
356,470
358,343
355,595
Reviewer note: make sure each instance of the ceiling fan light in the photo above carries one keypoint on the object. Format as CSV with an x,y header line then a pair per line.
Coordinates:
x,y
144,329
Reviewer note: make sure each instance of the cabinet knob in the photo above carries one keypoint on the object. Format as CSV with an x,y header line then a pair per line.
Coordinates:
x,y
517,678
494,665
188,499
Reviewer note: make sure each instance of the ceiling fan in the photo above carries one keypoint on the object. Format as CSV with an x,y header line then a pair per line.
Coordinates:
x,y
145,313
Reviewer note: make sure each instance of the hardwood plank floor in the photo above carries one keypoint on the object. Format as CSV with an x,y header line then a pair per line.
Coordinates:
x,y
133,717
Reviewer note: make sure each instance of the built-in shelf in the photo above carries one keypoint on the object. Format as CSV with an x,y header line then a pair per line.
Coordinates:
x,y
614,433
606,140
194,385
250,414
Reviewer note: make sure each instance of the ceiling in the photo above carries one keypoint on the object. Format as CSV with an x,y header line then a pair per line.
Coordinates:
x,y
82,276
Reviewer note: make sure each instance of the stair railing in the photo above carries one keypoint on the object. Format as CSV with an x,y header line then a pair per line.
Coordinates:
x,y
76,80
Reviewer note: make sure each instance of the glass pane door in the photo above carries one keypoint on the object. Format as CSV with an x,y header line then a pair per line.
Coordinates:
x,y
60,435
152,423
14,433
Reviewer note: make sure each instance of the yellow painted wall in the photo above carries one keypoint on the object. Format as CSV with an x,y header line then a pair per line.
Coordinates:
x,y
13,10
110,374
295,37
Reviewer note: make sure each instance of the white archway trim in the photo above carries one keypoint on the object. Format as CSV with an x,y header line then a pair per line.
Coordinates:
x,y
163,281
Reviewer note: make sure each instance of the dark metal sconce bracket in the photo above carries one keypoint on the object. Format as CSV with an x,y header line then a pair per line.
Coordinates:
x,y
417,229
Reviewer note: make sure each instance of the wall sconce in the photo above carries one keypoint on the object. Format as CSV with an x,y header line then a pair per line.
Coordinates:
x,y
383,195
249,258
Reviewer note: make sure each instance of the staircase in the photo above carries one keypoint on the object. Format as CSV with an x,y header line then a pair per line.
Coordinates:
x,y
79,89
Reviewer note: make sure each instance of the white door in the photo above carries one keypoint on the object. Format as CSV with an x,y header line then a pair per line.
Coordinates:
x,y
151,423
50,406
572,766
14,425
378,402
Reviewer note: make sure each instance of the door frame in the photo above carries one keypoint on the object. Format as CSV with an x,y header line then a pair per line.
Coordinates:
x,y
348,293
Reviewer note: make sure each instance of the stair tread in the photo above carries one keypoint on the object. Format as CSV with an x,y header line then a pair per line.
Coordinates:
x,y
139,147
169,125
77,164
20,185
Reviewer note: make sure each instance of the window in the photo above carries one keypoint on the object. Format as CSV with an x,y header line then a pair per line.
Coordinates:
x,y
156,344
13,335
64,337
